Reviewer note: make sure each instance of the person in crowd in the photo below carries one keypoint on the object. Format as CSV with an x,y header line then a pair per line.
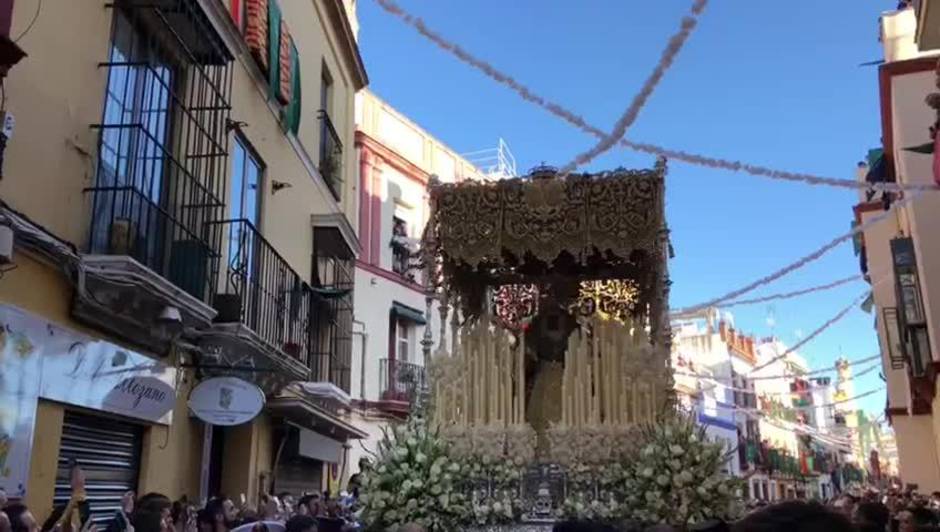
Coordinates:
x,y
872,517
76,514
159,504
794,516
205,521
223,513
923,518
845,504
20,518
270,508
411,527
311,504
301,523
287,503
149,521
904,522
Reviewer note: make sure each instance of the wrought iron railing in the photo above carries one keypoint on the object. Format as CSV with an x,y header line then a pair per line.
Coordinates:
x,y
260,290
334,276
331,154
162,142
400,381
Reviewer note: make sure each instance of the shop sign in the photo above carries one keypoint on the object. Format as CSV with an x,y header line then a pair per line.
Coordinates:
x,y
226,401
95,374
146,397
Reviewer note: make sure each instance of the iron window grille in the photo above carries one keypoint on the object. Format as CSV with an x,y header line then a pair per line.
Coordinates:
x,y
333,315
400,380
331,154
897,353
162,142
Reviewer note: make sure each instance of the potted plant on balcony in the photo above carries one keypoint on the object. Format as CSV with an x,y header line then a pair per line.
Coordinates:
x,y
330,170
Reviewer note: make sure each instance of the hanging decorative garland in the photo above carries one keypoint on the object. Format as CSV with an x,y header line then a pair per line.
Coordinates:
x,y
676,42
831,321
577,121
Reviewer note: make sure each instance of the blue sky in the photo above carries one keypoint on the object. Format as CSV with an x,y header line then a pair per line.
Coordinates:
x,y
772,83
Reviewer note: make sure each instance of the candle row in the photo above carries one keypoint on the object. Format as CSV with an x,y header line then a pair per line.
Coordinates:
x,y
595,388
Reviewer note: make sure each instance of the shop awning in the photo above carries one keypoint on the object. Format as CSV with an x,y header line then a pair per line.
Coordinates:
x,y
319,447
408,313
307,414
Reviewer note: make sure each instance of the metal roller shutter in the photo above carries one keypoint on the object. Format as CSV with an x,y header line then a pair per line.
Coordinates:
x,y
109,453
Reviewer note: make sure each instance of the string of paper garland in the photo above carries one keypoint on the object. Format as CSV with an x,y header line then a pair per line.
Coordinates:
x,y
787,375
577,121
796,293
812,257
676,42
823,405
831,321
715,383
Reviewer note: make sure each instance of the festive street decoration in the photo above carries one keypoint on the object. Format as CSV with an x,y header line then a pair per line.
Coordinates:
x,y
577,121
676,42
812,257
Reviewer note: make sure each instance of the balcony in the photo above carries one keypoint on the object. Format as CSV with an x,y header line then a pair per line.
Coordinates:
x,y
331,155
399,385
258,290
162,143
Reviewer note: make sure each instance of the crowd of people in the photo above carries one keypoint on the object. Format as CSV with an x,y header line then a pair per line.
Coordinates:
x,y
155,512
893,511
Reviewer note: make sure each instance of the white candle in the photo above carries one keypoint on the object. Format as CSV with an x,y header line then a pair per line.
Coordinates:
x,y
521,382
635,401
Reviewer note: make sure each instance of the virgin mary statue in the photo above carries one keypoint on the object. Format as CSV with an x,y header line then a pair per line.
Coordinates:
x,y
546,342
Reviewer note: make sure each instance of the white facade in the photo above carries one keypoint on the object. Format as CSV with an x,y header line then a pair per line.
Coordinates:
x,y
396,159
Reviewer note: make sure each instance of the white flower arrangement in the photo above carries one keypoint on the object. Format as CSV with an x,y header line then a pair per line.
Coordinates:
x,y
675,477
414,480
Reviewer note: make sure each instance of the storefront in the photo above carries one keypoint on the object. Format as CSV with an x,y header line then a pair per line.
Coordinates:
x,y
68,396
314,443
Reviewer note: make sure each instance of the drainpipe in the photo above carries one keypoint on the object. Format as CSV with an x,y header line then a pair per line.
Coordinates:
x,y
362,358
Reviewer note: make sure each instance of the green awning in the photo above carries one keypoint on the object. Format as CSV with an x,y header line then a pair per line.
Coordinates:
x,y
408,313
331,293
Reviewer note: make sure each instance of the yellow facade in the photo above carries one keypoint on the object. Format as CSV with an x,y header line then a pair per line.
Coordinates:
x,y
41,289
56,94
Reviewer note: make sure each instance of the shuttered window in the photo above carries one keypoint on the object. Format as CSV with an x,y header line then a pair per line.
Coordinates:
x,y
109,452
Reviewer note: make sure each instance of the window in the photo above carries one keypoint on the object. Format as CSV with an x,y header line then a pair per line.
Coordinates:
x,y
331,148
403,345
133,138
326,89
244,248
245,197
400,252
162,142
333,287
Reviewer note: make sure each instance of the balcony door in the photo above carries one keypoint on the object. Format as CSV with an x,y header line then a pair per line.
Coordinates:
x,y
244,247
130,205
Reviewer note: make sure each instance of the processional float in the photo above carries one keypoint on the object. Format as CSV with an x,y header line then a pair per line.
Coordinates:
x,y
553,295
